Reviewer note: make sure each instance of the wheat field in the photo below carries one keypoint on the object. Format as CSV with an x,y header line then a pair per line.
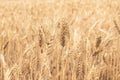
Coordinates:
x,y
60,40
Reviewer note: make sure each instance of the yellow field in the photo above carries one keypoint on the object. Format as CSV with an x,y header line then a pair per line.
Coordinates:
x,y
60,40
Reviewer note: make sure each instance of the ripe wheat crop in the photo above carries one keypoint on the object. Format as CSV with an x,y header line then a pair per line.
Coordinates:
x,y
60,40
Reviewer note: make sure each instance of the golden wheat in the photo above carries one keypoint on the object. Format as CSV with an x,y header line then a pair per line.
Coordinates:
x,y
60,40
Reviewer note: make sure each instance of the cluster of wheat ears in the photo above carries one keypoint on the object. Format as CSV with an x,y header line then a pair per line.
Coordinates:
x,y
60,40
